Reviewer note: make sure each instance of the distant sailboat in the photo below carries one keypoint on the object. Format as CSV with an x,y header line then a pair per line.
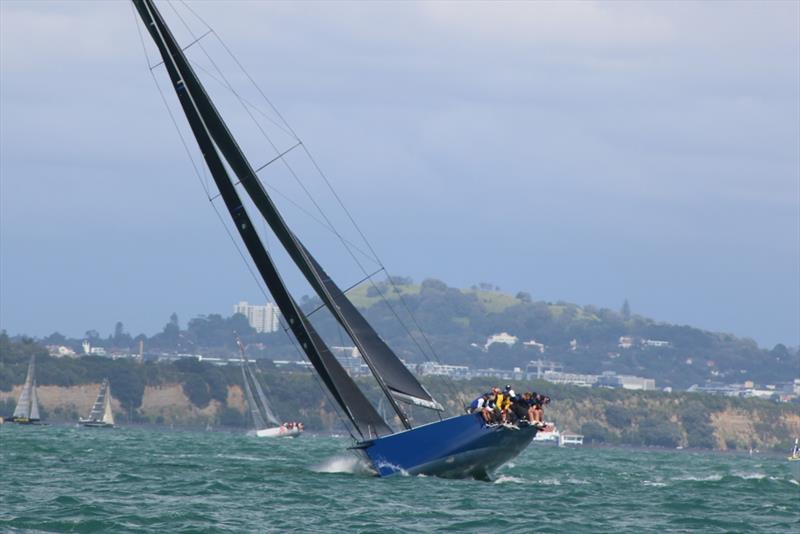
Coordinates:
x,y
27,410
101,415
794,460
266,423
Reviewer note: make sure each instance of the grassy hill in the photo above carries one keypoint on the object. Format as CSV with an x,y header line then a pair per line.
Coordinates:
x,y
457,323
584,338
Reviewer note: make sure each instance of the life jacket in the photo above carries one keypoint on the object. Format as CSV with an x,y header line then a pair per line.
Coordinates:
x,y
501,401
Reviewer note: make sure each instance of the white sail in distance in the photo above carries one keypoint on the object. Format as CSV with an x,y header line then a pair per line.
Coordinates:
x,y
28,402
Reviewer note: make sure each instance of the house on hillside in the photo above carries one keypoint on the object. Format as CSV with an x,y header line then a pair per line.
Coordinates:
x,y
533,344
502,337
656,343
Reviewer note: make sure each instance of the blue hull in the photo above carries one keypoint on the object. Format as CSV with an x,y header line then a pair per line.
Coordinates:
x,y
459,447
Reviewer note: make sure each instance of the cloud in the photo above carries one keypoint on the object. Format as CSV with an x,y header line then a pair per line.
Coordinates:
x,y
540,132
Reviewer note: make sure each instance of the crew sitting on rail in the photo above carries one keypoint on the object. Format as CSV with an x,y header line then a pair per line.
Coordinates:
x,y
481,405
520,407
507,408
536,412
501,405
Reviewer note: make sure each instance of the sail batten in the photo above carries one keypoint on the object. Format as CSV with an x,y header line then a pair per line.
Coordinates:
x,y
212,137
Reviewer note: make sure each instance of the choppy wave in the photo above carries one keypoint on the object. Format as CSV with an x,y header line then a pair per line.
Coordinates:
x,y
59,479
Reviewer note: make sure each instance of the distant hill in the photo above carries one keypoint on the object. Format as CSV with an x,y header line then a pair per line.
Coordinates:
x,y
585,339
457,323
193,393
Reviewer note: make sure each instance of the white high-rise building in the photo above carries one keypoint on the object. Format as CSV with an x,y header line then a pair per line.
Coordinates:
x,y
262,318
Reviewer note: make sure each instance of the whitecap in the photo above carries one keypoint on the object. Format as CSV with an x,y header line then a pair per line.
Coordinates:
x,y
577,481
508,479
708,478
343,464
237,457
750,476
549,482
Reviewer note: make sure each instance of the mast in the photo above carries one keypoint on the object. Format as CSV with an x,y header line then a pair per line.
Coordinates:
x,y
193,99
394,379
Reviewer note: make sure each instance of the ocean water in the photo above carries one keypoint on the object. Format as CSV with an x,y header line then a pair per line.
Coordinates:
x,y
66,479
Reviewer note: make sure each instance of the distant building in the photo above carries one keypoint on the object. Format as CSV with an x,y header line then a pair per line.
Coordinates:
x,y
292,365
570,379
503,337
437,369
533,344
351,360
504,374
655,343
625,342
261,318
613,380
60,351
537,368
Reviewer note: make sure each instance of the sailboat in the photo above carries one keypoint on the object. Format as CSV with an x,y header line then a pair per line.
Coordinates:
x,y
460,446
794,460
264,419
27,410
100,415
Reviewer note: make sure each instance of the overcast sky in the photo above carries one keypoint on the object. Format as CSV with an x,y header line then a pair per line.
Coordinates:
x,y
587,152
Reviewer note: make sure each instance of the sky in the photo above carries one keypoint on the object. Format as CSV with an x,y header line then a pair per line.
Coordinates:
x,y
589,152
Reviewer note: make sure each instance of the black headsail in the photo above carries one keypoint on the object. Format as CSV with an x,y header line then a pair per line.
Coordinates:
x,y
392,376
194,100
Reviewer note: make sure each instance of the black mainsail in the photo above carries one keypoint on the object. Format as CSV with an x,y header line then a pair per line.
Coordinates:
x,y
215,141
458,446
392,375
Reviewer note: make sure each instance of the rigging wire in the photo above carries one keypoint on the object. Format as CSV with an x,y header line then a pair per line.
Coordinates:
x,y
264,133
184,49
277,191
293,341
291,170
203,183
